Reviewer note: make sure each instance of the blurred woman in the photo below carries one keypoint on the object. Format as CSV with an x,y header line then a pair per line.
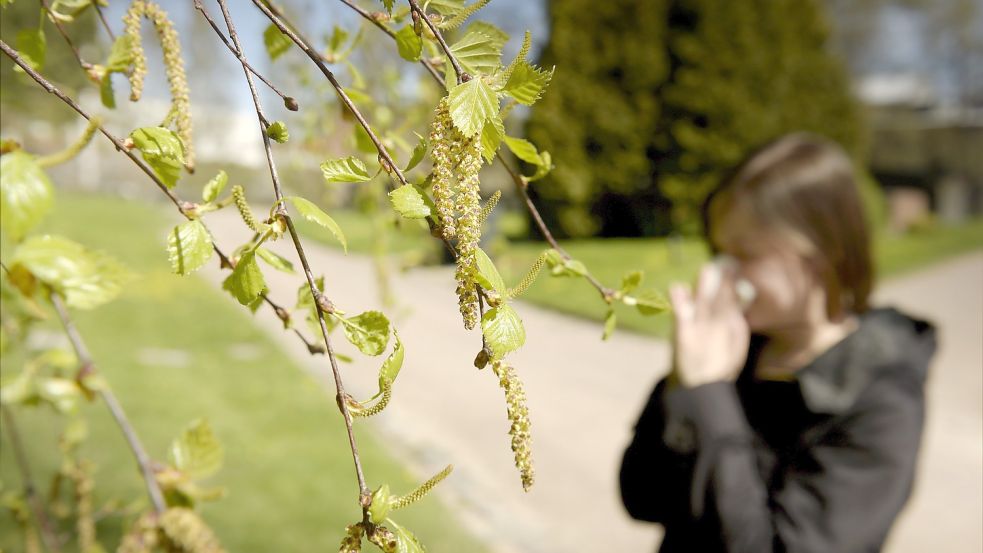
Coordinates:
x,y
793,413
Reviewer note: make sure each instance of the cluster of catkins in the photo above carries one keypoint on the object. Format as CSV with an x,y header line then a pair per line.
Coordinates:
x,y
456,163
515,400
173,66
177,529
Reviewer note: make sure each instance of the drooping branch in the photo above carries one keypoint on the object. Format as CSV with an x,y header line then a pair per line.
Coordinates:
x,y
375,21
458,70
132,440
317,296
30,491
61,30
185,208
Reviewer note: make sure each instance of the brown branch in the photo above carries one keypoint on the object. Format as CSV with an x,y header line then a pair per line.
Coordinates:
x,y
30,492
521,184
365,496
87,367
105,23
288,101
184,207
461,75
368,16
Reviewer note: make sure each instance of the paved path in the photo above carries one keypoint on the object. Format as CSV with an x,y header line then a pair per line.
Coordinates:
x,y
584,395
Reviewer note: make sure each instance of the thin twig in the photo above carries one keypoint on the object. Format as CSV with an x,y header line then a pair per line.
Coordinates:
x,y
88,367
105,23
44,6
183,207
40,515
461,75
289,101
316,295
368,16
521,184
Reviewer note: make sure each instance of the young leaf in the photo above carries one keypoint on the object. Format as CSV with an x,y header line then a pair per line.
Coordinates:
x,y
197,452
526,83
479,51
215,187
188,247
389,5
246,282
32,46
86,278
561,267
162,150
314,214
347,169
381,504
503,330
406,542
121,54
276,42
648,302
544,168
610,321
491,137
409,44
275,260
106,94
392,365
472,103
277,131
488,276
62,393
419,152
410,202
524,150
369,332
25,193
631,281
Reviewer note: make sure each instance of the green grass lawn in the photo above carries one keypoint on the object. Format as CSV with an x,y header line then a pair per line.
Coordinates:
x,y
174,349
663,261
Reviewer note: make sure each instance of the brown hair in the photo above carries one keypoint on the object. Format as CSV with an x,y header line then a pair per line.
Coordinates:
x,y
804,187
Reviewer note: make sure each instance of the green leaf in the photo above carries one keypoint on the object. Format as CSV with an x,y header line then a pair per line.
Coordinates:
x,y
446,8
18,389
648,302
346,169
410,202
86,278
392,365
472,103
488,276
524,150
275,260
561,267
276,42
338,37
188,247
32,46
214,187
25,193
527,82
406,542
491,137
389,5
543,169
610,321
381,504
369,332
197,452
479,51
246,282
419,152
314,214
503,330
106,95
277,131
410,45
162,150
631,281
121,54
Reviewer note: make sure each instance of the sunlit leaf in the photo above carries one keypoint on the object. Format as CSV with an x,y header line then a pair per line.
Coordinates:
x,y
246,282
409,44
410,202
197,452
275,260
276,42
419,152
189,247
488,276
347,169
85,277
406,541
471,104
480,48
369,332
32,46
526,83
162,150
25,193
314,214
503,330
214,187
610,321
392,365
121,54
277,131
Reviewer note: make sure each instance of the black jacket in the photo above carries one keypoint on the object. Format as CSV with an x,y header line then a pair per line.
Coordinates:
x,y
819,464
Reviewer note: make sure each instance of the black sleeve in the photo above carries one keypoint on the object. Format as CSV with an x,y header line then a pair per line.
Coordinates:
x,y
859,478
655,479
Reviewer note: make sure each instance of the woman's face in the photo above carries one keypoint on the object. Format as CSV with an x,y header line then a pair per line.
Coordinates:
x,y
785,286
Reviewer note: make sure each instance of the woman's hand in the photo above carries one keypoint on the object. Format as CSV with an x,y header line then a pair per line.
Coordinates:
x,y
711,337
